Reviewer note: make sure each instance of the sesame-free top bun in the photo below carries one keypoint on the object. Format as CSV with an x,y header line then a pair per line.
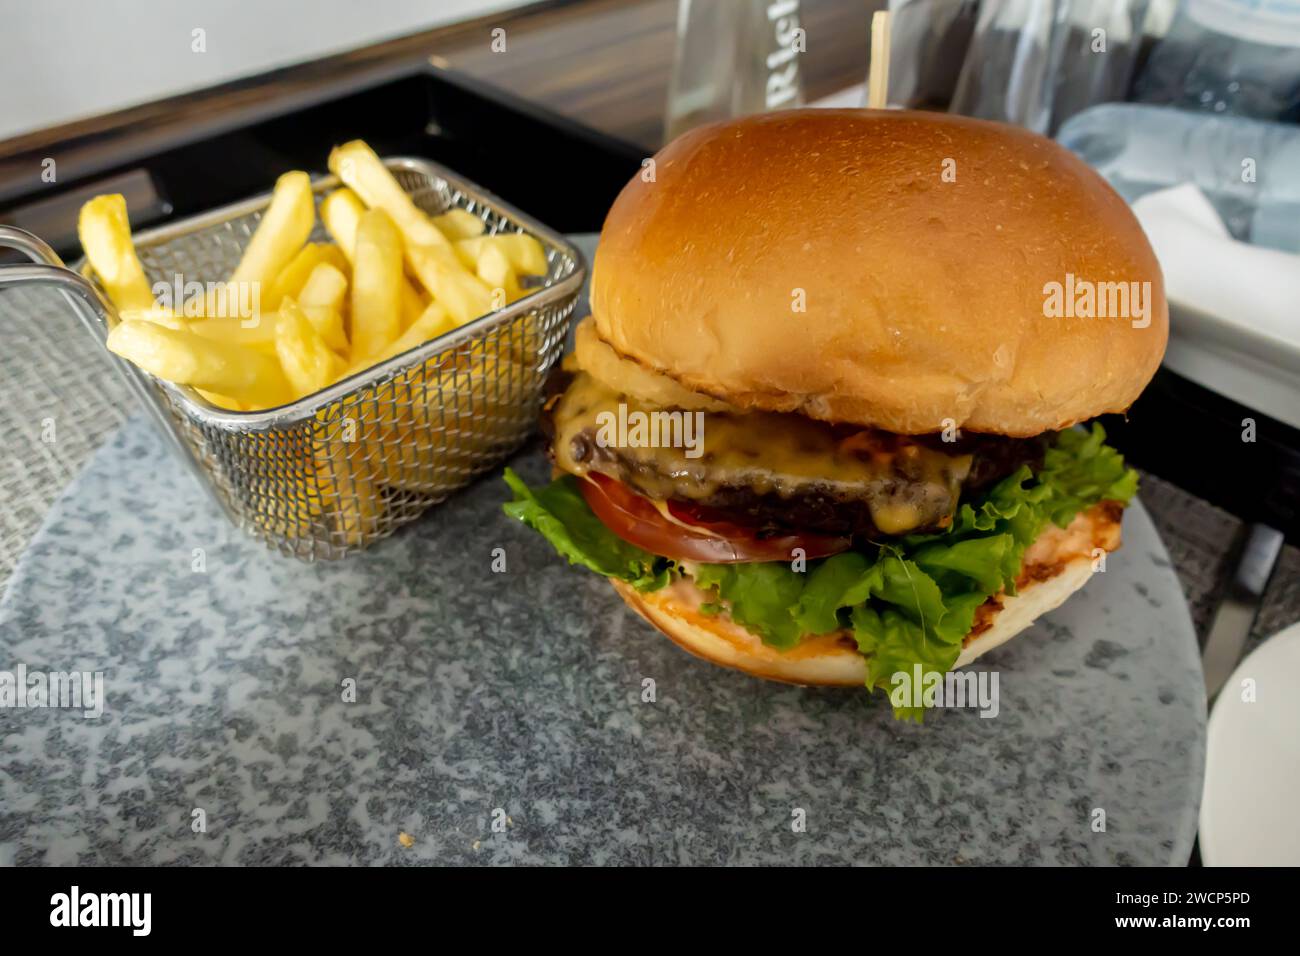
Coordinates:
x,y
883,268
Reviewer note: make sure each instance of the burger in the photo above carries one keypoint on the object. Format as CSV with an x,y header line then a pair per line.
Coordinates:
x,y
825,423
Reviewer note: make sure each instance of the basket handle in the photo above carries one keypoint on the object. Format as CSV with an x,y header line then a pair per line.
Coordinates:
x,y
97,315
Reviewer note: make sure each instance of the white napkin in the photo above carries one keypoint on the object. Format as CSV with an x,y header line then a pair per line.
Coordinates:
x,y
1206,269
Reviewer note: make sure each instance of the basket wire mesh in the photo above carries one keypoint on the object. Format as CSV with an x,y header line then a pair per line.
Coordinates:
x,y
336,471
59,396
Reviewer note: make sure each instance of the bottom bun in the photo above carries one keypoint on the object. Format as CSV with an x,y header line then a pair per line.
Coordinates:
x,y
1059,563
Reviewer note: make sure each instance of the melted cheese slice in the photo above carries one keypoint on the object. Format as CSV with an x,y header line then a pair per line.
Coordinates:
x,y
692,454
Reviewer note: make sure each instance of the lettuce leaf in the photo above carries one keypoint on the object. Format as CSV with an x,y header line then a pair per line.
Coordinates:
x,y
559,514
909,602
758,596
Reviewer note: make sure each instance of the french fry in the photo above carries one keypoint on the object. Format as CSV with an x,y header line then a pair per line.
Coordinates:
x,y
335,257
433,322
157,313
357,165
284,229
260,334
293,277
459,291
105,234
376,285
413,303
294,513
233,330
308,362
429,253
243,374
398,406
525,253
327,285
328,322
496,272
400,455
467,251
345,477
341,211
322,299
451,434
348,490
459,224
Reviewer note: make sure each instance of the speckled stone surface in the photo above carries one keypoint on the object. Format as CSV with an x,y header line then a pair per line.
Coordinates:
x,y
522,692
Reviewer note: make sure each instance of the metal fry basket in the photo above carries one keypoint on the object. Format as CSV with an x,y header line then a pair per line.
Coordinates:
x,y
336,471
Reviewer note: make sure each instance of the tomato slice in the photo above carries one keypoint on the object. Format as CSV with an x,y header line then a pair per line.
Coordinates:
x,y
638,522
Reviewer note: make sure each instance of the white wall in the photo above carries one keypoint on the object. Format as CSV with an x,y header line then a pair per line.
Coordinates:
x,y
66,59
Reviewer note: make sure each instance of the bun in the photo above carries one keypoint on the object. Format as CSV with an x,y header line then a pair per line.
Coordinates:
x,y
918,245
1058,563
831,659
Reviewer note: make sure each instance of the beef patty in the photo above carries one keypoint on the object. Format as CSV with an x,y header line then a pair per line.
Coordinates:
x,y
780,473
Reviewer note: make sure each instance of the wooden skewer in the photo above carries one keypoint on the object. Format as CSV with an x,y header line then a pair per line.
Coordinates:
x,y
878,76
